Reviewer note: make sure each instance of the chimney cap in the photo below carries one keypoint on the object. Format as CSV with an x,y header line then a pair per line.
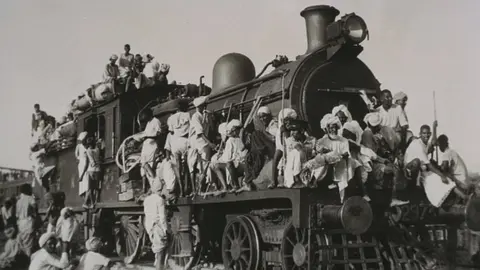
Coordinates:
x,y
326,8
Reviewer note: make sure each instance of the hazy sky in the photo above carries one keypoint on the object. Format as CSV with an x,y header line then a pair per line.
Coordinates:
x,y
53,50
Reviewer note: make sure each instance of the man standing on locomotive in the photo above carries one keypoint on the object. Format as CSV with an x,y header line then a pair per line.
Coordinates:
x,y
177,142
200,151
149,136
156,222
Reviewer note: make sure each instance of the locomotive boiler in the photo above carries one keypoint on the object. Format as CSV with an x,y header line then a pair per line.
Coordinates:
x,y
262,229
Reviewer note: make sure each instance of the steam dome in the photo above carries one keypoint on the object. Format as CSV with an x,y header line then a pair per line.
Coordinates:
x,y
231,69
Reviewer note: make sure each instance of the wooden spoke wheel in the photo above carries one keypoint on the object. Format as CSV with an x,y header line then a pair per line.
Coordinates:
x,y
185,248
241,245
295,248
129,236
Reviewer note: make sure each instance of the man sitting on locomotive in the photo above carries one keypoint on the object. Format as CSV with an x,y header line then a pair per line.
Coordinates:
x,y
281,134
336,148
148,136
261,146
437,186
300,148
232,160
452,165
200,151
177,142
393,116
400,99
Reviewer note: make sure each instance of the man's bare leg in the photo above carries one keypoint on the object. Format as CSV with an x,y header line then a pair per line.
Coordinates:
x,y
276,159
217,169
179,171
160,262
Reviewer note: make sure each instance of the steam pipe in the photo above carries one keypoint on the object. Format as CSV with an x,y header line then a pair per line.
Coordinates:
x,y
317,18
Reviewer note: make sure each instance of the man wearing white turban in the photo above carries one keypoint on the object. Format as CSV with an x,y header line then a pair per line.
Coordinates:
x,y
45,258
200,151
332,142
156,222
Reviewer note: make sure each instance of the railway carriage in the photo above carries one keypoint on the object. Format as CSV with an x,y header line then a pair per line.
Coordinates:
x,y
263,229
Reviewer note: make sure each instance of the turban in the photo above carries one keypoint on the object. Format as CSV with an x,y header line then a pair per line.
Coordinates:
x,y
263,110
354,127
82,136
344,109
399,96
113,57
232,124
66,210
93,244
286,113
330,119
199,101
45,237
373,119
222,129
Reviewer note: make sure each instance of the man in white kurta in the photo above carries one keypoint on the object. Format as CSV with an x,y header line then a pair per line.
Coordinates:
x,y
156,222
149,135
393,116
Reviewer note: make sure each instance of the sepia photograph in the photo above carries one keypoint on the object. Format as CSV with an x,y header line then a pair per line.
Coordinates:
x,y
239,135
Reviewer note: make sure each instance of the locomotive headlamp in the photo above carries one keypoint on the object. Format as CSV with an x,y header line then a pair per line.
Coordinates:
x,y
351,28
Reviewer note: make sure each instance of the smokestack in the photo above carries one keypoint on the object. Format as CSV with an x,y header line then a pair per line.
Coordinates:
x,y
317,18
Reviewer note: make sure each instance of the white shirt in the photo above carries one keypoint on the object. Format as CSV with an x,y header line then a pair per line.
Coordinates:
x,y
342,170
25,207
416,149
179,123
456,164
395,117
198,125
155,212
150,145
42,260
234,151
92,260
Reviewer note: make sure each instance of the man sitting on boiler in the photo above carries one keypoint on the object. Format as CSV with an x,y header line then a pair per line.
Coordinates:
x,y
393,116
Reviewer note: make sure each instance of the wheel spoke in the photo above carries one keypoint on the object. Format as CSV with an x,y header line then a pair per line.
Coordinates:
x,y
297,235
290,241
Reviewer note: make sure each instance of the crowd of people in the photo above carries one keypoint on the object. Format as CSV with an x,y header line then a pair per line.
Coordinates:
x,y
26,247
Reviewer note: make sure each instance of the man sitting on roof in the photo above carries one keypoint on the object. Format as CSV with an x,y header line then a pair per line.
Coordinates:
x,y
111,74
125,66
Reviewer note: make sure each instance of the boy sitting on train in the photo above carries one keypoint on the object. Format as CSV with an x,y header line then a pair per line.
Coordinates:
x,y
211,178
332,142
232,160
281,134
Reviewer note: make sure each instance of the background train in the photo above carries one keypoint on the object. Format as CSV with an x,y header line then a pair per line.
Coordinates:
x,y
289,229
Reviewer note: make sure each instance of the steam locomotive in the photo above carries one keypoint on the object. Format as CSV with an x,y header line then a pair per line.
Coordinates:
x,y
263,229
